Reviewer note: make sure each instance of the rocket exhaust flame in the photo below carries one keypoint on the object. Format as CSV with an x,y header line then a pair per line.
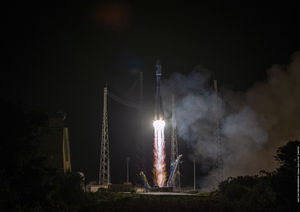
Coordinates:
x,y
159,153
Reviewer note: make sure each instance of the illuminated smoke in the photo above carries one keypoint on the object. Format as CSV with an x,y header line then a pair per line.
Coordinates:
x,y
253,123
159,153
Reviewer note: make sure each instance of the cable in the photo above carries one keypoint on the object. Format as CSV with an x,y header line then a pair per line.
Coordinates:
x,y
123,101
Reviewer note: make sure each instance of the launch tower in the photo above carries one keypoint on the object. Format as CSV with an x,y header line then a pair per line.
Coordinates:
x,y
104,172
220,176
174,144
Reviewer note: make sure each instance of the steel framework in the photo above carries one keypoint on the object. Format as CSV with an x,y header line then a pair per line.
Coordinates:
x,y
174,143
104,172
220,174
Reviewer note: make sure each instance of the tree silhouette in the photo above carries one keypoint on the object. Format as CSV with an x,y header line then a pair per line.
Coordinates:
x,y
284,179
270,191
27,182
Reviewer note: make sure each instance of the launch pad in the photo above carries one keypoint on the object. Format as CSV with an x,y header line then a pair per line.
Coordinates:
x,y
161,189
167,194
159,166
160,181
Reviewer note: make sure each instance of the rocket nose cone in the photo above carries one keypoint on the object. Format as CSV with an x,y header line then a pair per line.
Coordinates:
x,y
158,68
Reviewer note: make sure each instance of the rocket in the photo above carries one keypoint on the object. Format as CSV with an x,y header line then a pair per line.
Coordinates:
x,y
158,110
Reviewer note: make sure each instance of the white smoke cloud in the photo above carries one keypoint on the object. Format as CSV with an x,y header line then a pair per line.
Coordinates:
x,y
253,124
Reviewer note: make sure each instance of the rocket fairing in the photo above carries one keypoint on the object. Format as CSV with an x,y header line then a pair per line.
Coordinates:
x,y
158,111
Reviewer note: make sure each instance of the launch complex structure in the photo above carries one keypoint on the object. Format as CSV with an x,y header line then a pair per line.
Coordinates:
x,y
159,155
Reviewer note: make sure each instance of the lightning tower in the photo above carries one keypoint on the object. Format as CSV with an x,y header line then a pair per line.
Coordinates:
x,y
174,144
104,172
140,144
218,139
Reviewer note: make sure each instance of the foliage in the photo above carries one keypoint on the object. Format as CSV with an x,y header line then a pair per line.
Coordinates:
x,y
284,179
27,182
275,191
246,193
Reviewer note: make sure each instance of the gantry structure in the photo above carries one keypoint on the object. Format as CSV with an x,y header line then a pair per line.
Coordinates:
x,y
104,172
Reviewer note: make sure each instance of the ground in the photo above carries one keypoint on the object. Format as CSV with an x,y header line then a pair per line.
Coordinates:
x,y
153,202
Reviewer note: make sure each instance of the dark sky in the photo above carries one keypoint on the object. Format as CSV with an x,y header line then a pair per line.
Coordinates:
x,y
60,55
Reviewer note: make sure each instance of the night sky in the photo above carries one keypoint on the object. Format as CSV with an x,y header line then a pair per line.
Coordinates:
x,y
59,56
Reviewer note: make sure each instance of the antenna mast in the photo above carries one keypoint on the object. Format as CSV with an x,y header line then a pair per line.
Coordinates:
x,y
218,139
174,143
104,172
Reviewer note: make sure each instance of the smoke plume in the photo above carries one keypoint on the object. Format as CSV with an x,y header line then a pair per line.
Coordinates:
x,y
253,124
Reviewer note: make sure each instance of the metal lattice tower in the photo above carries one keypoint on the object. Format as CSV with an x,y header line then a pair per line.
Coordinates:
x,y
104,172
174,143
218,138
141,90
174,147
141,145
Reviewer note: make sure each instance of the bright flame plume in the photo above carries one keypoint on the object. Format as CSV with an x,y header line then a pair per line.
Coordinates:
x,y
159,153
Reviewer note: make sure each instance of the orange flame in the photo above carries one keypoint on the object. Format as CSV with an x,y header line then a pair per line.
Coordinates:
x,y
159,168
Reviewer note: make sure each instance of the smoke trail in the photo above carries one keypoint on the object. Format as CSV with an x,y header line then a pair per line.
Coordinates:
x,y
253,124
159,153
